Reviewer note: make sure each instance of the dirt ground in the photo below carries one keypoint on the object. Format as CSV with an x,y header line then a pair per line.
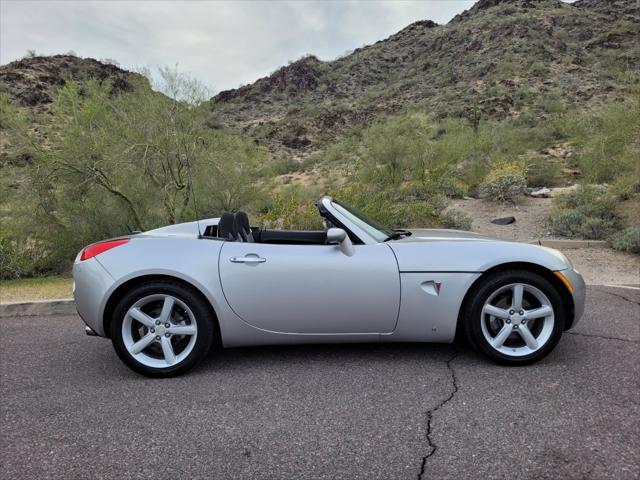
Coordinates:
x,y
599,266
604,266
530,215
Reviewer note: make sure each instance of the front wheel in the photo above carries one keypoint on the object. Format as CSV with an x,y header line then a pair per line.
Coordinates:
x,y
161,329
514,317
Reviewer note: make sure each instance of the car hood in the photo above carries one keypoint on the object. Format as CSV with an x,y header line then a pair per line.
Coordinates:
x,y
439,234
439,250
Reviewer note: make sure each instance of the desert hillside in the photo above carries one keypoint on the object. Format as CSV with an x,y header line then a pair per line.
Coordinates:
x,y
502,58
436,125
33,81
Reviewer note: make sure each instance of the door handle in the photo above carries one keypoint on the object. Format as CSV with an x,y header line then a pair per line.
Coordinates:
x,y
252,258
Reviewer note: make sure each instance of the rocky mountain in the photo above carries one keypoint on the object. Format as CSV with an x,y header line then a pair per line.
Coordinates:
x,y
32,81
501,58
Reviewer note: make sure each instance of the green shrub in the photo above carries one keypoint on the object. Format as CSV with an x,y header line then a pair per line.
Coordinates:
x,y
26,258
284,166
506,182
10,267
542,171
538,69
594,228
611,143
588,212
446,186
566,222
550,104
583,195
624,187
439,204
396,208
627,240
290,211
411,214
454,218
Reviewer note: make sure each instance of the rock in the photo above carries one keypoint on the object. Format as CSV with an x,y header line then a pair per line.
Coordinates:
x,y
544,192
32,81
504,220
562,190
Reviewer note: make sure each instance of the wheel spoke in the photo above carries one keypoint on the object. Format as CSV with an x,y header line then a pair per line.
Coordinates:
x,y
495,311
167,350
543,311
143,343
528,337
167,308
141,317
502,335
516,302
182,329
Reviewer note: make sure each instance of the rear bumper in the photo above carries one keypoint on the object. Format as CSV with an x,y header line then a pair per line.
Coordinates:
x,y
579,294
91,285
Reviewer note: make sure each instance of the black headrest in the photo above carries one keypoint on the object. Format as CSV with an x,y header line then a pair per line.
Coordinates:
x,y
227,227
243,228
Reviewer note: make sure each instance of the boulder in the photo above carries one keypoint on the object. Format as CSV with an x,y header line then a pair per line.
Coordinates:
x,y
504,220
544,192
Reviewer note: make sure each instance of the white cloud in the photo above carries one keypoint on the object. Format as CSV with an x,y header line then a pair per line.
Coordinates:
x,y
224,44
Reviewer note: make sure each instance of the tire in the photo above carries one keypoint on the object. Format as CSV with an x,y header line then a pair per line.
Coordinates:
x,y
162,328
493,323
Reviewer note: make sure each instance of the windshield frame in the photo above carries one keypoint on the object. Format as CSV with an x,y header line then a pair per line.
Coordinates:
x,y
373,229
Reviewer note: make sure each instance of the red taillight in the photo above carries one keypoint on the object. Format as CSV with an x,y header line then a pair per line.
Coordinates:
x,y
98,248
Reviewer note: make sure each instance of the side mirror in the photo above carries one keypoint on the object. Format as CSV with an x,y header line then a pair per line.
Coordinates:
x,y
337,236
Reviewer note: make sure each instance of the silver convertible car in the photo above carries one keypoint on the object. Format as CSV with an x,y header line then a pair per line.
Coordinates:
x,y
166,296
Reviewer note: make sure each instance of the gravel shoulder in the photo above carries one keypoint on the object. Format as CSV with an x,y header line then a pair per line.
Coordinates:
x,y
599,266
605,266
530,215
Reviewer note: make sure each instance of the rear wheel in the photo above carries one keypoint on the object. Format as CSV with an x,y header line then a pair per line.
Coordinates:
x,y
161,329
514,317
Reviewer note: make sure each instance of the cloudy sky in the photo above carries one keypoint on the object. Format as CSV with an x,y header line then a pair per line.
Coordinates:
x,y
222,43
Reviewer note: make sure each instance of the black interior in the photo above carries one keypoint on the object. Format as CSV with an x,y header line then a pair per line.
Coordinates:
x,y
227,227
233,228
243,229
292,237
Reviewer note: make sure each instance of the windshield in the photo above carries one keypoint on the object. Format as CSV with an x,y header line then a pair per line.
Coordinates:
x,y
379,232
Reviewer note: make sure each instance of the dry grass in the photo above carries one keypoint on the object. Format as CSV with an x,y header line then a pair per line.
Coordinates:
x,y
35,289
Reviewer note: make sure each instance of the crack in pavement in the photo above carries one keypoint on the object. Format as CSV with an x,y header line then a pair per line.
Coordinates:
x,y
603,337
432,446
618,295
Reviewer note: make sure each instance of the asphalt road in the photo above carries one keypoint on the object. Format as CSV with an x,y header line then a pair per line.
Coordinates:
x,y
70,409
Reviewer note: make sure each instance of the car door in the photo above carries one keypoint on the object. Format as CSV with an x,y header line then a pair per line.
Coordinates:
x,y
311,289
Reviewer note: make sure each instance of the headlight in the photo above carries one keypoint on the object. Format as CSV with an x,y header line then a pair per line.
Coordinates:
x,y
567,260
560,255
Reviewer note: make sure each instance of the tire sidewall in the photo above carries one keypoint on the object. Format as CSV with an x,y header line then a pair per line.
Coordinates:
x,y
192,299
473,315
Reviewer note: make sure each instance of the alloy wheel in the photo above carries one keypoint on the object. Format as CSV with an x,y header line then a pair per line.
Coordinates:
x,y
517,319
159,331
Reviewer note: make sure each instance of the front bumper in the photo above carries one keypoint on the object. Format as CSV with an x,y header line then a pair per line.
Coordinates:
x,y
579,294
92,282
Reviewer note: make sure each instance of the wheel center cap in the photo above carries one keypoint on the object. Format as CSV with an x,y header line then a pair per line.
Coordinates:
x,y
160,330
515,318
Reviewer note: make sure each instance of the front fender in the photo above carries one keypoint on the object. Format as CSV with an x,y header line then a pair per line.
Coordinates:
x,y
473,256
